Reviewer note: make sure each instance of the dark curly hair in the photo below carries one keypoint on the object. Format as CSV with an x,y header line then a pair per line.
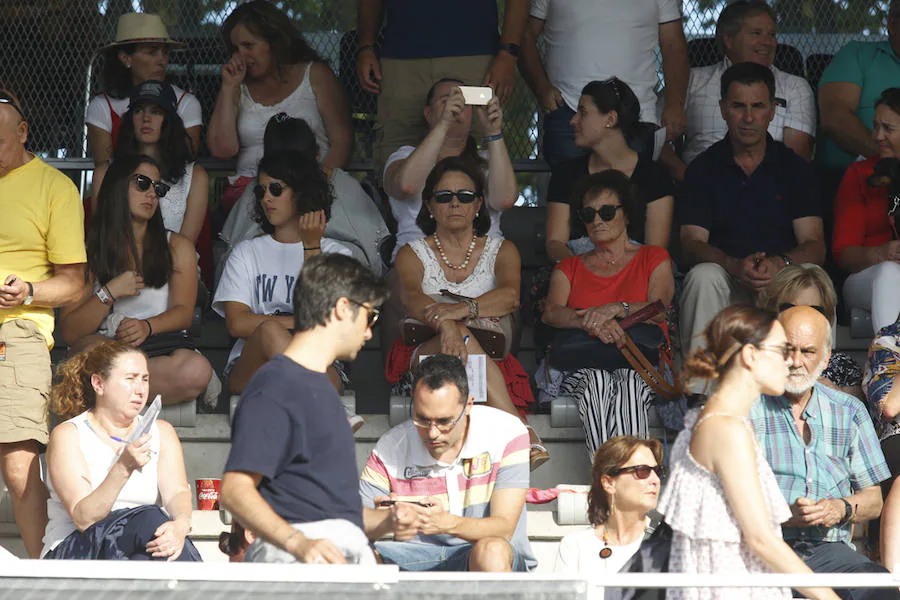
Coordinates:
x,y
115,78
311,188
618,183
174,144
264,19
454,164
111,248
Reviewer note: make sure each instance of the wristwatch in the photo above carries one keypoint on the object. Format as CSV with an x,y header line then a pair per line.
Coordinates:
x,y
30,298
787,259
848,512
512,49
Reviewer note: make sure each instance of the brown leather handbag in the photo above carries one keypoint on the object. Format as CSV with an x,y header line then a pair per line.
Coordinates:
x,y
653,376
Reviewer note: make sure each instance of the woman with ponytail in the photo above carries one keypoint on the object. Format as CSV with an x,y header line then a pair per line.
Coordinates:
x,y
721,500
103,489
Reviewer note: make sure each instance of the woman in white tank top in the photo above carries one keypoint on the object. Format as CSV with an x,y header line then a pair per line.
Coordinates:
x,y
103,485
272,70
142,281
152,127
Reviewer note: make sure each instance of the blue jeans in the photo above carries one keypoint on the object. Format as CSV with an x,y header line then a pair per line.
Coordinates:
x,y
418,556
838,557
559,137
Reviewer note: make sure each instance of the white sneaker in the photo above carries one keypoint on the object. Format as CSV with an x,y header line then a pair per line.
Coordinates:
x,y
356,422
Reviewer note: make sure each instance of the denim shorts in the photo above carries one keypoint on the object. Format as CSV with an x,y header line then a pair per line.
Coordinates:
x,y
417,556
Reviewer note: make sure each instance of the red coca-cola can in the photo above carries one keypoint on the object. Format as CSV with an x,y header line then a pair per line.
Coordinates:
x,y
208,493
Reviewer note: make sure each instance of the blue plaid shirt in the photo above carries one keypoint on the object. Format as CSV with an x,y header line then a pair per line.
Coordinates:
x,y
843,455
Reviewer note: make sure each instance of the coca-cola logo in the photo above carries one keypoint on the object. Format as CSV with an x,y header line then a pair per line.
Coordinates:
x,y
208,495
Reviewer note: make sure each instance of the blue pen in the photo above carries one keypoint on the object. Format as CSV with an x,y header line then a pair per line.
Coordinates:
x,y
466,340
121,441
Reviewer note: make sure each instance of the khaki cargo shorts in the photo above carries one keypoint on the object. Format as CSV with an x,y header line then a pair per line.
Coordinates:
x,y
25,376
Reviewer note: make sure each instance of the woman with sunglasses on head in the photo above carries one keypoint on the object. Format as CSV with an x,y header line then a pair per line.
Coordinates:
x,y
721,499
588,296
273,69
458,256
140,53
142,282
809,285
255,292
608,113
104,485
865,242
152,127
625,482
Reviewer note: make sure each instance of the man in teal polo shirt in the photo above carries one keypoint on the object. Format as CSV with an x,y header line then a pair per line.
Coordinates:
x,y
847,92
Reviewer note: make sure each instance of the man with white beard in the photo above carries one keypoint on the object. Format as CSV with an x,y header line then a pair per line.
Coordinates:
x,y
826,457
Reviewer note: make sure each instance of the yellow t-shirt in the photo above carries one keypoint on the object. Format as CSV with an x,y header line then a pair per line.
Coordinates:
x,y
41,225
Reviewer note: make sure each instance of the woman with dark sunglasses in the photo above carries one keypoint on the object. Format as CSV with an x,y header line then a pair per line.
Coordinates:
x,y
809,285
255,292
625,482
457,255
721,499
590,293
608,113
142,282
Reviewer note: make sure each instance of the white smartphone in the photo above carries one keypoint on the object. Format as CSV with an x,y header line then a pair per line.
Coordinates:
x,y
477,95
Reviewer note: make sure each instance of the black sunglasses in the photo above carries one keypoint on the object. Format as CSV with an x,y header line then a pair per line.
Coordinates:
x,y
275,189
786,305
374,311
640,471
7,99
446,196
143,184
607,213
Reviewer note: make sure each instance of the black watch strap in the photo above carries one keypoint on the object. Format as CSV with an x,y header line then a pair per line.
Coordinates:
x,y
510,48
848,512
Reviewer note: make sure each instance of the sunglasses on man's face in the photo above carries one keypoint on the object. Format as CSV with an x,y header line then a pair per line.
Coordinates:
x,y
640,471
786,305
446,196
143,183
274,188
607,213
7,99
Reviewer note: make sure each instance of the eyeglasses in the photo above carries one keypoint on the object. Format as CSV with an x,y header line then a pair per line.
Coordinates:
x,y
446,196
442,425
275,189
640,471
143,183
606,212
786,305
785,349
7,99
374,311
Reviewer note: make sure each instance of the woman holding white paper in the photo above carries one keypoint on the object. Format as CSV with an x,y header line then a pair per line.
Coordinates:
x,y
482,271
103,487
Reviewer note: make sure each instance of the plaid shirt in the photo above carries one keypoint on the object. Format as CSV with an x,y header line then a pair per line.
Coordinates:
x,y
843,455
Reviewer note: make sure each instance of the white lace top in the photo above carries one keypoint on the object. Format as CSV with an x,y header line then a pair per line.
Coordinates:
x,y
481,281
174,203
706,534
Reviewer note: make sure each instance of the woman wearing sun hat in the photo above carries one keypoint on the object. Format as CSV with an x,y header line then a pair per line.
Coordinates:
x,y
139,53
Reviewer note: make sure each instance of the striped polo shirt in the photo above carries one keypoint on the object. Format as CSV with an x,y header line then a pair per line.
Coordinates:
x,y
494,456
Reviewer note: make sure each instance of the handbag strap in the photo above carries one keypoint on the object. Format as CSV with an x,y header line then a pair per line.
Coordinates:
x,y
648,372
648,312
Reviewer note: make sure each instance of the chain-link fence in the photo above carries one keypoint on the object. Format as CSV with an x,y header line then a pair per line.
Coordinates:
x,y
48,55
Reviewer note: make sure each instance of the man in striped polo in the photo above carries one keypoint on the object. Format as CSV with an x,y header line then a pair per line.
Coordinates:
x,y
450,483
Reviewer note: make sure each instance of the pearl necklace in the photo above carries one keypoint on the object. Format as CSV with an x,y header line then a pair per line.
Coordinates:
x,y
437,242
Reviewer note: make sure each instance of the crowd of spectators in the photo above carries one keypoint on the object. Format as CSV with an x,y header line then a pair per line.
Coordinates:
x,y
310,270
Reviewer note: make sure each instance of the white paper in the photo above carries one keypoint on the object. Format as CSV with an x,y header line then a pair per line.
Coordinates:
x,y
659,140
147,420
476,373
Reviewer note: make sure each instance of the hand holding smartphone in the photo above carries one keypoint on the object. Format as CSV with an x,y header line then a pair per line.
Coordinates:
x,y
476,95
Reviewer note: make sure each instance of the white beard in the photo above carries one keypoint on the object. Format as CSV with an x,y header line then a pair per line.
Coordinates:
x,y
798,389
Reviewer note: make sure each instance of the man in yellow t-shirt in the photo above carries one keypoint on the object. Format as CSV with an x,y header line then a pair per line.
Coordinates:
x,y
42,258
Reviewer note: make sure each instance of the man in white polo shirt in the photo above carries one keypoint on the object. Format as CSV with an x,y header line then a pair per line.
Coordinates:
x,y
746,30
450,483
589,40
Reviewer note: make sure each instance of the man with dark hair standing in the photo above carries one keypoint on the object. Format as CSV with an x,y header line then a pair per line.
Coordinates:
x,y
291,475
450,483
749,207
42,260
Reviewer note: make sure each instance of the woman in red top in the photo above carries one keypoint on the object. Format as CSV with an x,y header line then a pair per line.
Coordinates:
x,y
865,237
593,291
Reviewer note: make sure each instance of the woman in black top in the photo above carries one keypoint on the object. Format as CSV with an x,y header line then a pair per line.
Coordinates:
x,y
607,115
